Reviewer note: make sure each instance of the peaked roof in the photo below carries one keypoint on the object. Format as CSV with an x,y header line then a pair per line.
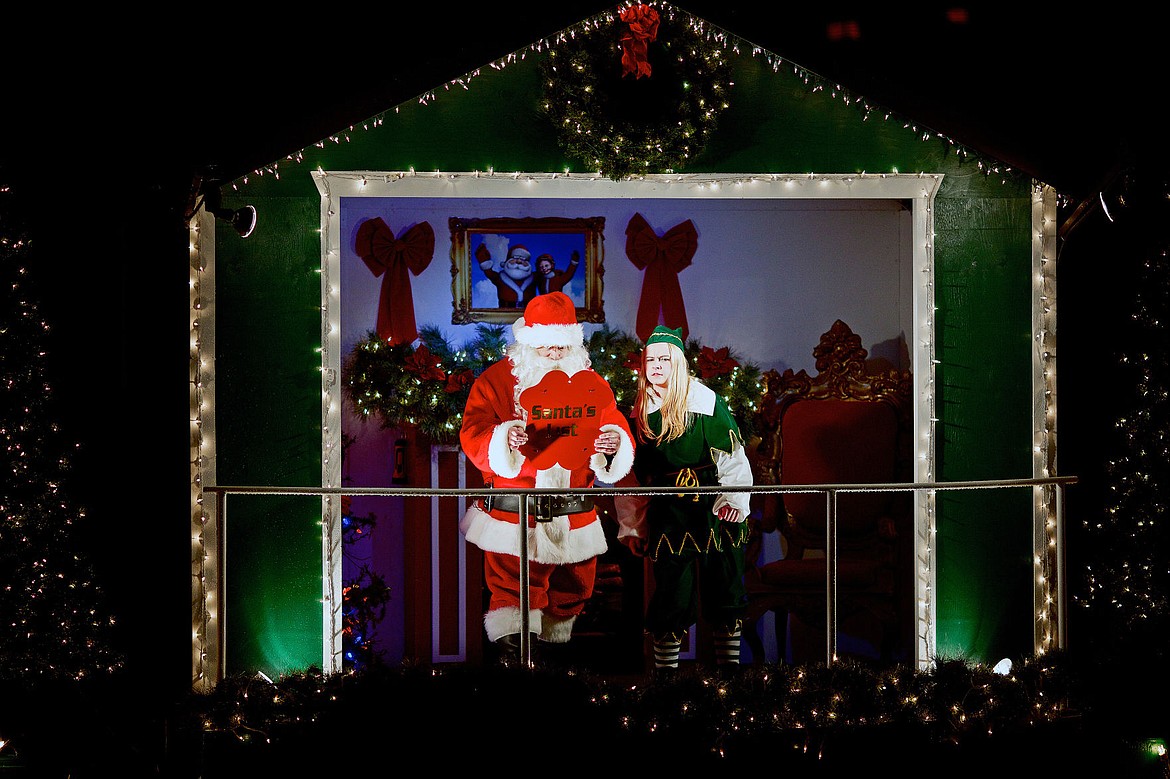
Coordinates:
x,y
1059,97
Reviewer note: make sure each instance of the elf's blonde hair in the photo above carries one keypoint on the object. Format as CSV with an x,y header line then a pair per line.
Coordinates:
x,y
673,405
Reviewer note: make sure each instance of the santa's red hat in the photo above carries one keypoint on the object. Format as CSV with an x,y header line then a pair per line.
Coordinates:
x,y
549,320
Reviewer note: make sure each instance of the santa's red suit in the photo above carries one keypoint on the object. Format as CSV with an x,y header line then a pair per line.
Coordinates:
x,y
562,552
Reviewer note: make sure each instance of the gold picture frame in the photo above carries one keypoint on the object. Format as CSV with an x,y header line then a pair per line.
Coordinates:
x,y
477,296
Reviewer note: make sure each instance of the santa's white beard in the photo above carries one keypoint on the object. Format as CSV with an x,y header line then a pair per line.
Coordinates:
x,y
517,271
529,367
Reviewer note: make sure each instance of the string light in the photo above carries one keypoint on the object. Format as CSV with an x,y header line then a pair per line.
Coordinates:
x,y
816,84
709,33
787,706
54,626
1046,546
204,534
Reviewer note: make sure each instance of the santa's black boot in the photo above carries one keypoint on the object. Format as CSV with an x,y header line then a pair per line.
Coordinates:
x,y
509,649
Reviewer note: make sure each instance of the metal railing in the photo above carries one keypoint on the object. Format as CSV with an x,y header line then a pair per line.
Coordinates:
x,y
831,492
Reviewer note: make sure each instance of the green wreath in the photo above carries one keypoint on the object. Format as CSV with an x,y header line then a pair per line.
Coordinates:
x,y
626,126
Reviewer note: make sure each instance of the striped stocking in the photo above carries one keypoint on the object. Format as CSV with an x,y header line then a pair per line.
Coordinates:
x,y
727,646
666,651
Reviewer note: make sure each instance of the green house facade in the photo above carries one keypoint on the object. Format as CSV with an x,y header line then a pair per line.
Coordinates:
x,y
811,205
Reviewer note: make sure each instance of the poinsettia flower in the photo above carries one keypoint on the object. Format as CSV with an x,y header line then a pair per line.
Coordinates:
x,y
715,362
457,381
633,361
425,365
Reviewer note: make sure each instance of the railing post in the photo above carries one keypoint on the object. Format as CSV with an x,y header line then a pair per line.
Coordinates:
x,y
220,600
1061,572
525,644
830,576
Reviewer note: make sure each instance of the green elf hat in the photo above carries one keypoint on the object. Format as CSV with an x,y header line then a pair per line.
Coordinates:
x,y
664,335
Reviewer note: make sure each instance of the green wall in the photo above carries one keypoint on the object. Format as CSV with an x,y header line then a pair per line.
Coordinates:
x,y
268,390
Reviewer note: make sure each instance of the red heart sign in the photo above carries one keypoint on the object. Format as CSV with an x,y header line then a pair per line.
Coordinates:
x,y
564,418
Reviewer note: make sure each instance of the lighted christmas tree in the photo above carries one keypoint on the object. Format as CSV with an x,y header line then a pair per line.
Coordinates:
x,y
1126,595
53,625
365,594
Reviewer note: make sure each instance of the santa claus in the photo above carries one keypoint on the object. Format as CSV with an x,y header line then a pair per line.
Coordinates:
x,y
564,533
515,280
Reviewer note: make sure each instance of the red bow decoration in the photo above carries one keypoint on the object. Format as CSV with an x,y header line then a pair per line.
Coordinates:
x,y
425,365
643,21
715,363
390,257
662,258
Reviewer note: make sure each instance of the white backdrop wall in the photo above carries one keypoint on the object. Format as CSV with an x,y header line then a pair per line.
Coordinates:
x,y
768,278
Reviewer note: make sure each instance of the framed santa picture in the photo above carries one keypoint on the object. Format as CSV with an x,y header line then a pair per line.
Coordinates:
x,y
499,264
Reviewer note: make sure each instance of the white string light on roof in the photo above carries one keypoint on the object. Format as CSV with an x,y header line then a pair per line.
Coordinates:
x,y
713,33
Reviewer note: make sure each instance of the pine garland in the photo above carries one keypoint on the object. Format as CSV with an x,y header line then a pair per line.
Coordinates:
x,y
697,715
428,386
624,126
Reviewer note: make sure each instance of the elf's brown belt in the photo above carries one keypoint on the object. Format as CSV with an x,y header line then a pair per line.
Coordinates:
x,y
542,508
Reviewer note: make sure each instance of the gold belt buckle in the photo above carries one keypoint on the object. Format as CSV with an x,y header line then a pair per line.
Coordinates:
x,y
687,478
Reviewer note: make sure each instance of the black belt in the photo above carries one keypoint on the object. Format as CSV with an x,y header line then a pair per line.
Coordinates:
x,y
541,507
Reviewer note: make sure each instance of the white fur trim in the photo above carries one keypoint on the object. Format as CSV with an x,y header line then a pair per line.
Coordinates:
x,y
495,535
552,478
557,631
505,621
518,289
502,459
549,335
555,532
573,547
622,462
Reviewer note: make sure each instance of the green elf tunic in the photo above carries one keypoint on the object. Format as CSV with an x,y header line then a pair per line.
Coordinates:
x,y
696,556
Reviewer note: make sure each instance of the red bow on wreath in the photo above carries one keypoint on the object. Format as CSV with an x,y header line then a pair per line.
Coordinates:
x,y
662,258
714,363
390,257
643,21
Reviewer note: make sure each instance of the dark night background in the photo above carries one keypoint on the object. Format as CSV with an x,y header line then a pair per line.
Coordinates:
x,y
106,123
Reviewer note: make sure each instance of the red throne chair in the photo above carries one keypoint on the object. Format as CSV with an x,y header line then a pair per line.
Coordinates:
x,y
849,424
